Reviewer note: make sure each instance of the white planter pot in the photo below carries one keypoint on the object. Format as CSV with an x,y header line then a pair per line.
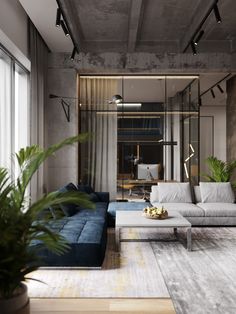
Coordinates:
x,y
18,304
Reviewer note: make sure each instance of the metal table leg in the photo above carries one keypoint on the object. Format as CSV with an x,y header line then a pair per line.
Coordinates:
x,y
189,239
117,239
175,232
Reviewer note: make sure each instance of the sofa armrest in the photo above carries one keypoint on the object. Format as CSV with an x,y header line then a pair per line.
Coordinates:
x,y
104,196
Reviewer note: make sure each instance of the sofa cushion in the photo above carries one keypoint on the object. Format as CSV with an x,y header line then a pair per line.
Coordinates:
x,y
85,188
213,192
174,192
87,241
218,209
197,194
94,197
154,195
185,209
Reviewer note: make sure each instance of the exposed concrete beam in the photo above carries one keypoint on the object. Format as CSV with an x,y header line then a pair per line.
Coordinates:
x,y
159,47
145,63
134,23
199,17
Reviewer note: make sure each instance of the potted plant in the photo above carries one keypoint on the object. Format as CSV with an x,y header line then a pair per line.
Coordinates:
x,y
20,224
220,171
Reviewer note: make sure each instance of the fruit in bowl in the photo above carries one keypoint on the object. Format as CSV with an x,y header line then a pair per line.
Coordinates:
x,y
155,212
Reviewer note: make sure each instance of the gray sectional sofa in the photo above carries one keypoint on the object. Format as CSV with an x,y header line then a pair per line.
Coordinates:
x,y
209,204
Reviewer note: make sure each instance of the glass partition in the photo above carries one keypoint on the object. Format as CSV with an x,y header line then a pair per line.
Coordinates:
x,y
149,132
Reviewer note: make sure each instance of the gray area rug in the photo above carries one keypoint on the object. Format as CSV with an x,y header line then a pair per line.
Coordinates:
x,y
202,281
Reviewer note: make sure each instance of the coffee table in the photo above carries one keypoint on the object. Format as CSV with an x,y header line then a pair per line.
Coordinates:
x,y
134,219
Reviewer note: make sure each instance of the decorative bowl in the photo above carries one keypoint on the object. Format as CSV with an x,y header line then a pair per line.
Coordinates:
x,y
155,213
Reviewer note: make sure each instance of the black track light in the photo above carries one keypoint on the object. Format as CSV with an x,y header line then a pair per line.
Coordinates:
x,y
200,101
217,13
212,93
73,53
220,89
193,48
65,30
58,18
196,41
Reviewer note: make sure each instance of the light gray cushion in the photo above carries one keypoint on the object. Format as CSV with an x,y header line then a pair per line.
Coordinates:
x,y
154,195
185,209
213,192
174,192
197,194
218,209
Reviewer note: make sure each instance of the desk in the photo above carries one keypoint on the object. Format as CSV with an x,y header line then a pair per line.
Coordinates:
x,y
130,184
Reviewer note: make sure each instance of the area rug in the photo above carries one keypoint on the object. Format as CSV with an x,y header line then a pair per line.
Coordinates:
x,y
134,272
202,281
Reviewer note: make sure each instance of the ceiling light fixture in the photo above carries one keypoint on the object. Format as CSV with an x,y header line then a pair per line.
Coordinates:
x,y
193,48
58,18
198,37
65,30
212,93
220,88
73,53
210,7
122,104
217,13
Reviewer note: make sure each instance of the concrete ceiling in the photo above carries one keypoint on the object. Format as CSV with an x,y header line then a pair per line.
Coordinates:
x,y
135,25
149,25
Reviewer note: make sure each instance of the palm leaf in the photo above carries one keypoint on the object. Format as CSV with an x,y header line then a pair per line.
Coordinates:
x,y
19,227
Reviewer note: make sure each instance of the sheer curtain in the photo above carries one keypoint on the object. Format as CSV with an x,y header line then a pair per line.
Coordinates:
x,y
38,57
5,111
98,161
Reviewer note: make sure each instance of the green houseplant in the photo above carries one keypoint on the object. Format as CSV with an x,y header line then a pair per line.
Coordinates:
x,y
19,223
220,171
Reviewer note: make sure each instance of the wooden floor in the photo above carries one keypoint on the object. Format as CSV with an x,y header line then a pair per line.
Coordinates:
x,y
98,306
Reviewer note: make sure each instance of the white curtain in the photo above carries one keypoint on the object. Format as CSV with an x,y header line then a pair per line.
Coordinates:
x,y
38,57
5,111
99,117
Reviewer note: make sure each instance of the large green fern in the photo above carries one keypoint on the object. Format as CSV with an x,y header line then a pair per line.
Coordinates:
x,y
19,223
220,171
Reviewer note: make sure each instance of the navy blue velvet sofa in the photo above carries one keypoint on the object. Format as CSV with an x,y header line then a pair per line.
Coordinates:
x,y
84,229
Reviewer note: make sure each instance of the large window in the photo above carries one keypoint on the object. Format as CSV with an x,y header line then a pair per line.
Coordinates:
x,y
14,111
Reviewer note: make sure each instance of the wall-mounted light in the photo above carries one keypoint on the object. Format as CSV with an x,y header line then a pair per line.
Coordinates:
x,y
64,104
116,99
217,13
58,18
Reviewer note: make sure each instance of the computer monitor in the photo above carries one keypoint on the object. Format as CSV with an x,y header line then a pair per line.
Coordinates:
x,y
148,171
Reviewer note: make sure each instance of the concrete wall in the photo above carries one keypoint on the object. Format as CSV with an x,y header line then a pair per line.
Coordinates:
x,y
13,22
63,167
231,119
217,115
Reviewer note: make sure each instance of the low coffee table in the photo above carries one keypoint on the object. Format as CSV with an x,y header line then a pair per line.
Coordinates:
x,y
134,219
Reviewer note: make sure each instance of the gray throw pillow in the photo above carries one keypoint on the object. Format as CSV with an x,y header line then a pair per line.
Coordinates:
x,y
174,192
216,192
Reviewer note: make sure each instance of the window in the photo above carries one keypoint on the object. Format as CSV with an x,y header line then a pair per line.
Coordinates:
x,y
14,111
